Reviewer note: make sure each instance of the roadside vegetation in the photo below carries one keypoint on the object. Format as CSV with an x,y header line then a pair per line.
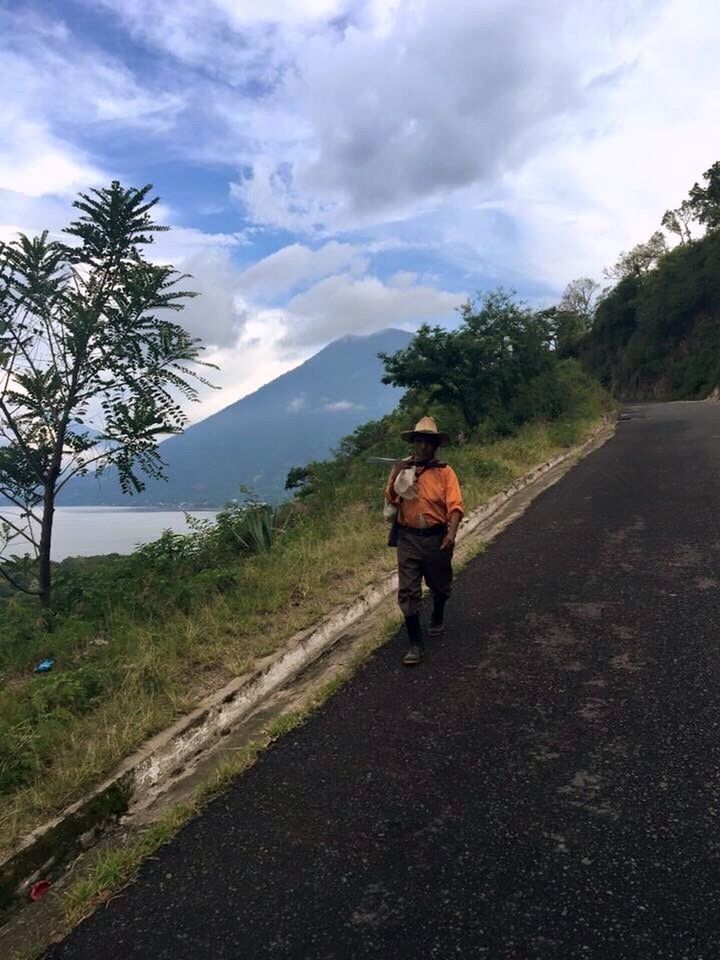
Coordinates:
x,y
654,334
138,639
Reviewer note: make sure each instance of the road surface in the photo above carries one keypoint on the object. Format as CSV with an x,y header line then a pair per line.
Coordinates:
x,y
545,785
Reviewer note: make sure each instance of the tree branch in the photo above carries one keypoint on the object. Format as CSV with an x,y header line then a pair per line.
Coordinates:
x,y
28,451
101,456
30,593
18,530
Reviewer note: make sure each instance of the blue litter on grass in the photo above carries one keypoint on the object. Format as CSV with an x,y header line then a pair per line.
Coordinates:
x,y
44,666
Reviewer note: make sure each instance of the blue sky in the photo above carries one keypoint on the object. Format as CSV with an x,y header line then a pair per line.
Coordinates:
x,y
341,166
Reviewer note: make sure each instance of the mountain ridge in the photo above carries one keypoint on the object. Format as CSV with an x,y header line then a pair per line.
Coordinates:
x,y
295,418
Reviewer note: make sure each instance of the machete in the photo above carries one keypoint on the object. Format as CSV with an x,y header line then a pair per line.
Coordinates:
x,y
405,462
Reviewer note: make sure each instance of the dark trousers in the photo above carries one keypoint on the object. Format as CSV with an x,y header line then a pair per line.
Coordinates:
x,y
420,556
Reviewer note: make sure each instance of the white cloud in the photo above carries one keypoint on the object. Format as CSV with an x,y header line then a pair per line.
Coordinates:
x,y
35,163
180,243
9,232
258,356
346,304
48,73
51,83
425,101
582,199
217,314
239,42
340,405
294,264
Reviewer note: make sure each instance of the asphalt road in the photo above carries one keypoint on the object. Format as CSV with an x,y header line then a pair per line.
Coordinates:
x,y
545,785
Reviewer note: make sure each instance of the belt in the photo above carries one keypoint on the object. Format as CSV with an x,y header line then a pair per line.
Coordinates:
x,y
434,531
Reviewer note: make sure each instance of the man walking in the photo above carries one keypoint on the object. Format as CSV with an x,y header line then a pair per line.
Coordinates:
x,y
429,506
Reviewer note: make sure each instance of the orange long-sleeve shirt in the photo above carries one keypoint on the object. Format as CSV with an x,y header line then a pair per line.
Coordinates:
x,y
439,495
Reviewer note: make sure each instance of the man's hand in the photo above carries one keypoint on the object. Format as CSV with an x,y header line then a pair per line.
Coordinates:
x,y
448,541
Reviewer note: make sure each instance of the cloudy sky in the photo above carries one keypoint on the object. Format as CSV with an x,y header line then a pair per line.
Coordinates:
x,y
341,166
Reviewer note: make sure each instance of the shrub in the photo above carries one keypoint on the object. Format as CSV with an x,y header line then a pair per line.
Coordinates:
x,y
489,469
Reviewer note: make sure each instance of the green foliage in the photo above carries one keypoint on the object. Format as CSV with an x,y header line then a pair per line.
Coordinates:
x,y
563,390
67,693
573,316
99,598
639,260
705,201
92,371
566,432
31,719
364,437
489,469
297,478
678,221
657,336
478,368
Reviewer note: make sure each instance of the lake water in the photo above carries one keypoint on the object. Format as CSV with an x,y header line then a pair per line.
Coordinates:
x,y
87,531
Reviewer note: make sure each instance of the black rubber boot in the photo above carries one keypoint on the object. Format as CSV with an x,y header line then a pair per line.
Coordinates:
x,y
413,656
417,646
437,628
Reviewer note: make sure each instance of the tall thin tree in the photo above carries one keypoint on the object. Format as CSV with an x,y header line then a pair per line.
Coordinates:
x,y
92,375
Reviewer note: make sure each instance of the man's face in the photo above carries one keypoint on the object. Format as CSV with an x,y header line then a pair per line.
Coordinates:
x,y
424,448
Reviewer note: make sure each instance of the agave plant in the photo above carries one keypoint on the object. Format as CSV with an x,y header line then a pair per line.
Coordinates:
x,y
252,526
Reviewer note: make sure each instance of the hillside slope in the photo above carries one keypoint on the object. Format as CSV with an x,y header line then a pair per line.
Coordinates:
x,y
657,335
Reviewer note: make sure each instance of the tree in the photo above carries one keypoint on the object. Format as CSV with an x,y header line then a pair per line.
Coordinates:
x,y
575,312
705,201
297,478
640,259
477,368
92,376
678,221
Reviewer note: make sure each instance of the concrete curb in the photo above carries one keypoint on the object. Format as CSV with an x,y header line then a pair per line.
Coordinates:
x,y
45,851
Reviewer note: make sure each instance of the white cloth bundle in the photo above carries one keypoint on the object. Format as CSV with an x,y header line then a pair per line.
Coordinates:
x,y
389,512
405,485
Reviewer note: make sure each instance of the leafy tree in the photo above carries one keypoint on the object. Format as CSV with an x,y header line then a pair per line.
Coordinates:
x,y
297,478
579,298
575,312
92,375
640,259
705,201
362,438
678,221
478,367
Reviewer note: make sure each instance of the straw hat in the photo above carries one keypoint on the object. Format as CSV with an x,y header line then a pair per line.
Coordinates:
x,y
426,427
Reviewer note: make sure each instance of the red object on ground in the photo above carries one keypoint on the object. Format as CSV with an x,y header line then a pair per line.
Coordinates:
x,y
39,889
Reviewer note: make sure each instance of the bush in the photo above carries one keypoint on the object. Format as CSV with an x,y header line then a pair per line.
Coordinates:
x,y
489,469
565,389
46,704
565,432
71,693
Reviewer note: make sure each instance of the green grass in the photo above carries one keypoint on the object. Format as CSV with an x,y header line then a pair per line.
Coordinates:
x,y
137,644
